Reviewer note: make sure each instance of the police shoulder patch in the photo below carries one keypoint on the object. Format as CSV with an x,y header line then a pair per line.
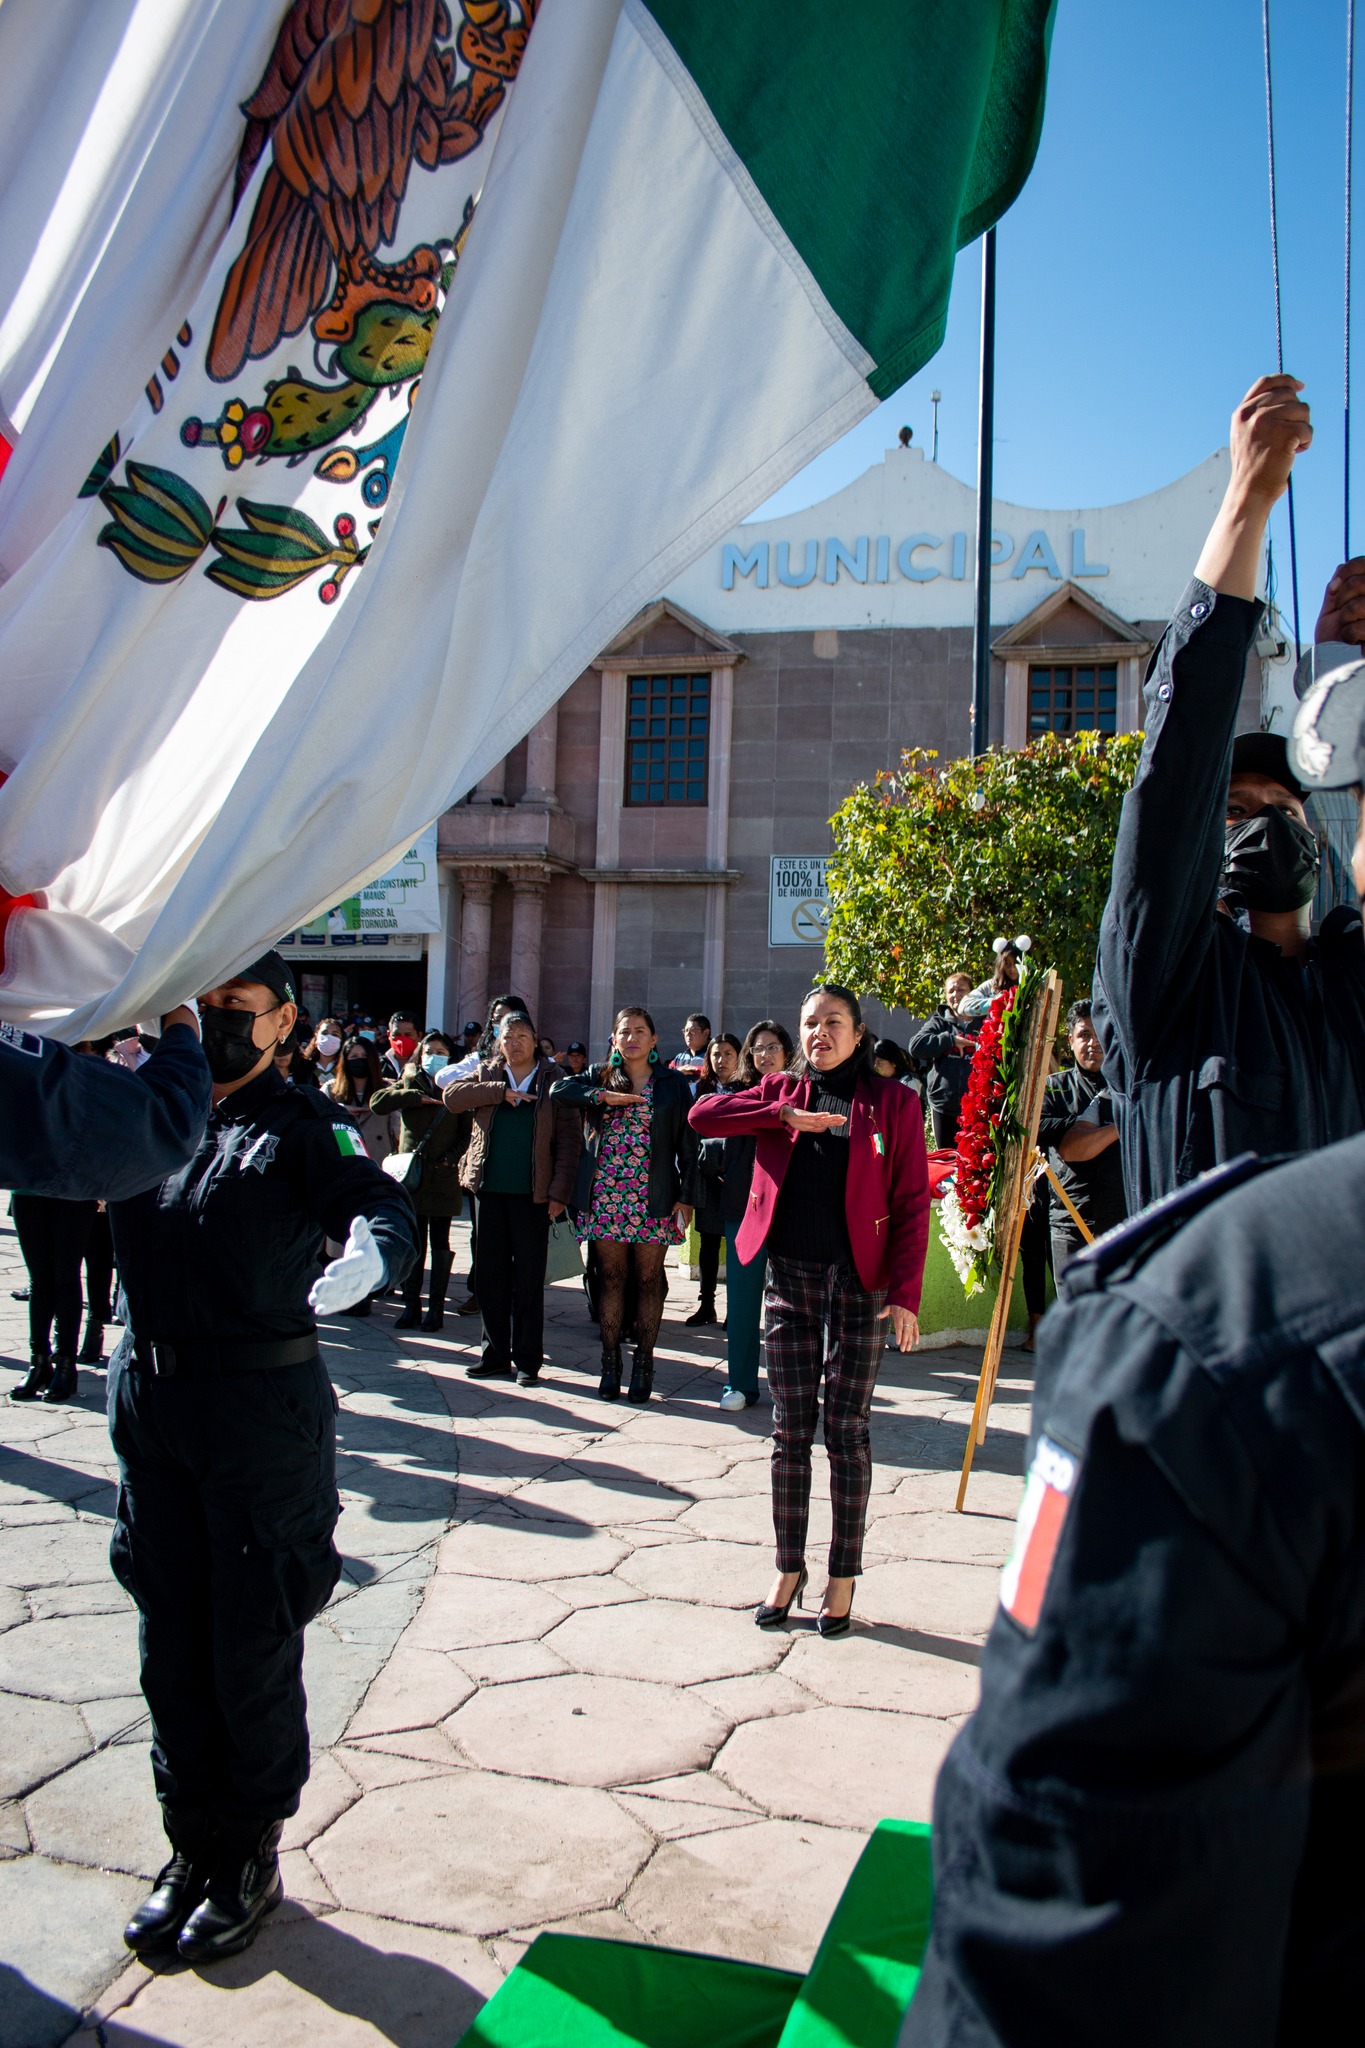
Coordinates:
x,y
349,1141
1042,1517
14,1039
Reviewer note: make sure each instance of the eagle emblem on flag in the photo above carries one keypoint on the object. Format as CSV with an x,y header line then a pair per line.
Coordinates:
x,y
356,96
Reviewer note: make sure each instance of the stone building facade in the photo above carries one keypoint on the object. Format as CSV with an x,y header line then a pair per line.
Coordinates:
x,y
625,850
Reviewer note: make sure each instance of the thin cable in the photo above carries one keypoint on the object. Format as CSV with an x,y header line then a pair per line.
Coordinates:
x,y
1275,273
1346,322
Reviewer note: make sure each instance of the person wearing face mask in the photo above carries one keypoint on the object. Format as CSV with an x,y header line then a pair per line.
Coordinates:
x,y
356,1080
1077,1132
429,1127
1148,1831
1225,1026
324,1049
403,1037
222,1419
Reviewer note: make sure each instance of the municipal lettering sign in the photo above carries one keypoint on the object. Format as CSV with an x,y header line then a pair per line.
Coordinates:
x,y
798,903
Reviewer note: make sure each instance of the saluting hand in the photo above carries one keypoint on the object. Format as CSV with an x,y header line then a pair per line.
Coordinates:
x,y
514,1098
619,1098
810,1119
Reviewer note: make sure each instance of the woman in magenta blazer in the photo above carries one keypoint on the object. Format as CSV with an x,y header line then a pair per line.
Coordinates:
x,y
840,1195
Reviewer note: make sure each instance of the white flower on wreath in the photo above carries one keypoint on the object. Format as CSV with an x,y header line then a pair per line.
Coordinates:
x,y
969,1246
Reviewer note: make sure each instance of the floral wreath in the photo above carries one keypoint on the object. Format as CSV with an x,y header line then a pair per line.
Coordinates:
x,y
987,1125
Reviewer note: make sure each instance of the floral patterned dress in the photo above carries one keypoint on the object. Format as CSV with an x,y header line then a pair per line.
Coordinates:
x,y
620,1189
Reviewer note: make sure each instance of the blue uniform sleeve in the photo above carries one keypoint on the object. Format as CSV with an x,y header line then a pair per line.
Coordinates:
x,y
84,1129
1168,858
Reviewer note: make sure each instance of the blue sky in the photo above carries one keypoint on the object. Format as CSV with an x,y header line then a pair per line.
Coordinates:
x,y
1133,297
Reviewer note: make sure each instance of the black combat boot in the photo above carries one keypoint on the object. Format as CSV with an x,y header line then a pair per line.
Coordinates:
x,y
609,1386
92,1343
641,1376
179,1884
38,1376
243,1887
706,1312
62,1385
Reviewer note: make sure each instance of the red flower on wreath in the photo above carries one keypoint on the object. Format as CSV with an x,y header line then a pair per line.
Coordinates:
x,y
979,1119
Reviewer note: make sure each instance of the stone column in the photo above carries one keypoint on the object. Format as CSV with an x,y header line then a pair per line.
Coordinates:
x,y
542,751
476,938
492,788
528,921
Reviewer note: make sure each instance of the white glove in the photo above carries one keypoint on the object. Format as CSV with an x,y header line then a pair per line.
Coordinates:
x,y
358,1272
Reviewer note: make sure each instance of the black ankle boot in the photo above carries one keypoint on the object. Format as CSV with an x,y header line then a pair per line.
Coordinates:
x,y
243,1887
38,1376
92,1343
706,1313
179,1884
641,1377
62,1385
609,1386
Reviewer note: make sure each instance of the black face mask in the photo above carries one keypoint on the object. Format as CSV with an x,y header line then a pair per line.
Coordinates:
x,y
1270,861
228,1045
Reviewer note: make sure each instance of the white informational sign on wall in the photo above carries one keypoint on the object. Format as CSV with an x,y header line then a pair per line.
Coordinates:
x,y
798,905
395,907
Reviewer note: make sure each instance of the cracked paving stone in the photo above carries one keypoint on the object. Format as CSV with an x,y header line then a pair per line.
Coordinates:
x,y
102,1812
77,1657
763,1894
718,1574
460,1612
665,1640
583,1730
482,1854
845,1766
505,1549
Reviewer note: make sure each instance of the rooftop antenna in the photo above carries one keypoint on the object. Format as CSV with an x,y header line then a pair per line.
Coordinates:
x,y
935,399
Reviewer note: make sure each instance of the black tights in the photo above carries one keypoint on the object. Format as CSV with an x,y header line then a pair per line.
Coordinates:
x,y
613,1261
52,1237
708,1262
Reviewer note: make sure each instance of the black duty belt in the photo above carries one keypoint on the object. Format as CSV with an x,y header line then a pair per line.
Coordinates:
x,y
209,1359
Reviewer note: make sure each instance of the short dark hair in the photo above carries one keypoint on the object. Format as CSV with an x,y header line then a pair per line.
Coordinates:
x,y
695,1018
1079,1010
401,1017
895,1056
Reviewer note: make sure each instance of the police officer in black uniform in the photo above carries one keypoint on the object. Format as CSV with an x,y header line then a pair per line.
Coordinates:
x,y
223,1419
1225,1027
1149,1832
85,1130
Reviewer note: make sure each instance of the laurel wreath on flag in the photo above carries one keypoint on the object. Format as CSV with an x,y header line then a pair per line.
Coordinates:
x,y
988,1121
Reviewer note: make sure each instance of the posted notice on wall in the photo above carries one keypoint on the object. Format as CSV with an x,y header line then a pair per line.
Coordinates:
x,y
798,903
395,906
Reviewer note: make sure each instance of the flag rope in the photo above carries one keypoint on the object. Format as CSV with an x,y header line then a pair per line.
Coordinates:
x,y
1275,275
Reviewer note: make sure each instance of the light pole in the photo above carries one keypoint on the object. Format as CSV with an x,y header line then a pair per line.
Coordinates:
x,y
934,398
981,652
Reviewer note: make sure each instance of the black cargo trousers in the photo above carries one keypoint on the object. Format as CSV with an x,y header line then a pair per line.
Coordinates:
x,y
223,1533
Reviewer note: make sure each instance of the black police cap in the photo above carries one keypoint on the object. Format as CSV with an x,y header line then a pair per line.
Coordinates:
x,y
272,973
1266,753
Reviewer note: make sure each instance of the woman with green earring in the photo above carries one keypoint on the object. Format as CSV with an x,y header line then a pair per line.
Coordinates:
x,y
636,1184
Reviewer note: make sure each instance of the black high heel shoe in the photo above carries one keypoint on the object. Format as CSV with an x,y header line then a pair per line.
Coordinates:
x,y
835,1624
773,1617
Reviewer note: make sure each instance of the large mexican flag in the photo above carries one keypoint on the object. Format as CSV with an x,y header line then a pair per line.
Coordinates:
x,y
266,617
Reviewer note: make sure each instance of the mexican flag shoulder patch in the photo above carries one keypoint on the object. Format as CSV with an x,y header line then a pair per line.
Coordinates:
x,y
1042,1517
349,1141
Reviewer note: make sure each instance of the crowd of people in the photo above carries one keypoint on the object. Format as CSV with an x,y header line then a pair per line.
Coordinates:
x,y
1159,1788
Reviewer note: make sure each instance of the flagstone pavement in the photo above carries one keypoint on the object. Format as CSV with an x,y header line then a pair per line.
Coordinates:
x,y
537,1698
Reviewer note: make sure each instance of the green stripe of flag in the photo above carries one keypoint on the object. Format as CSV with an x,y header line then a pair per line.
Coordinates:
x,y
884,136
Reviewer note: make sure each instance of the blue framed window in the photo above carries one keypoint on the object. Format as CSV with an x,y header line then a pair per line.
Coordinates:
x,y
668,726
1072,700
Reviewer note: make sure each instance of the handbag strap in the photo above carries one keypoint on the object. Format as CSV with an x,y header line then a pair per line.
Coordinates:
x,y
443,1116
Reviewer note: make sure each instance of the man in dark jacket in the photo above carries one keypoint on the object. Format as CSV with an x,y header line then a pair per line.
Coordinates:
x,y
1077,1132
943,1048
1149,1830
1225,1027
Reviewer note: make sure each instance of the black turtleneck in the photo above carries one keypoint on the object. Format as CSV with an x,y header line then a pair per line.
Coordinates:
x,y
809,1221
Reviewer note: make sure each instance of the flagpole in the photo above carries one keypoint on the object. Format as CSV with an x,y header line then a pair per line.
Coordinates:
x,y
981,652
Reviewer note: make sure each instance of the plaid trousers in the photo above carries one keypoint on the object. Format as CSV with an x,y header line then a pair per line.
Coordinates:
x,y
821,1322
